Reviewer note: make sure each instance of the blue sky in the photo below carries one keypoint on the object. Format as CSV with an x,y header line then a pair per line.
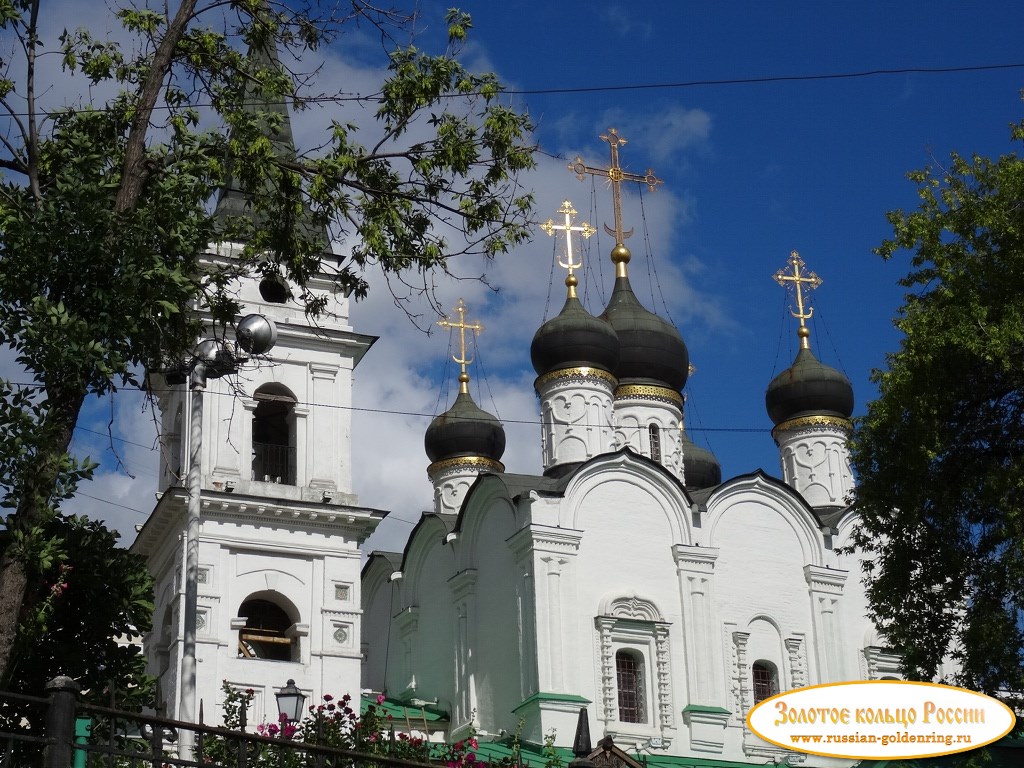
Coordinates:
x,y
751,171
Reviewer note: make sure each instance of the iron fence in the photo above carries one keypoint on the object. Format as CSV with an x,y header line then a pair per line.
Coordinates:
x,y
61,732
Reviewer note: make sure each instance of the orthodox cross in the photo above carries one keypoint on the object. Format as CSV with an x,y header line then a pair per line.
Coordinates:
x,y
798,278
615,176
463,326
584,229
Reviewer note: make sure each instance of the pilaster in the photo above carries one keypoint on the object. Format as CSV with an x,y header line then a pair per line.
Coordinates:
x,y
825,586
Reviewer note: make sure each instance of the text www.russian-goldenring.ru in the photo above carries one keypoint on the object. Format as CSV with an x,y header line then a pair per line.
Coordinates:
x,y
884,739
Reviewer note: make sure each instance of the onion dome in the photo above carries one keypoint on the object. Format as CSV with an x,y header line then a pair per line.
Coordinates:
x,y
700,467
464,430
808,388
651,348
574,339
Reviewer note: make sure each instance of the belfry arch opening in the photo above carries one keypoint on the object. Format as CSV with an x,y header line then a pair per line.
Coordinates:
x,y
273,435
266,632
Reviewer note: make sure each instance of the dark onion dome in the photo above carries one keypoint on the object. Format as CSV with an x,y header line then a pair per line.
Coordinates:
x,y
700,467
808,388
651,348
464,430
574,339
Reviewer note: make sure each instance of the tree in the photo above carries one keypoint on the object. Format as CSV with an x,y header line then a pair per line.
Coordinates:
x,y
104,206
87,600
940,453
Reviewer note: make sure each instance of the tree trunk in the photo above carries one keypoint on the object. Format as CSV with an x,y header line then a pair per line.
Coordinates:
x,y
34,507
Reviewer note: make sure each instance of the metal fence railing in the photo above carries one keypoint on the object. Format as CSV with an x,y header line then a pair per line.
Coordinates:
x,y
61,732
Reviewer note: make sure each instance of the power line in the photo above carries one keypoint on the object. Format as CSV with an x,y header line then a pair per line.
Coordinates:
x,y
416,414
108,501
768,79
114,437
762,80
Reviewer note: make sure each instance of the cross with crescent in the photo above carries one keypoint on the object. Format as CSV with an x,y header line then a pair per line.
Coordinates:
x,y
798,278
615,176
584,229
463,326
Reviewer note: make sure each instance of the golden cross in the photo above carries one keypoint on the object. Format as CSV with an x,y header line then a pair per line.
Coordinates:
x,y
463,326
584,229
615,176
798,278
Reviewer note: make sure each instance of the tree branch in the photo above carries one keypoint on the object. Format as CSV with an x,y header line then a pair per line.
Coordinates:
x,y
32,145
136,171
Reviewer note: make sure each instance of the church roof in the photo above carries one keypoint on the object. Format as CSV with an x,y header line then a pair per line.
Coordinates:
x,y
394,559
518,484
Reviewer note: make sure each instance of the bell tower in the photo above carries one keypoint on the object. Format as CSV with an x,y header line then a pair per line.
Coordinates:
x,y
258,582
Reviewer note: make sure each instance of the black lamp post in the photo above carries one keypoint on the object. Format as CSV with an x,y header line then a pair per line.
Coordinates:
x,y
291,702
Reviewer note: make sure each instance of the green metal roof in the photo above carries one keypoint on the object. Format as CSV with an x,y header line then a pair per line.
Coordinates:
x,y
401,711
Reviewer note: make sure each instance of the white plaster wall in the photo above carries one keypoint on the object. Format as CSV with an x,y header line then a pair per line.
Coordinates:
x,y
760,567
486,531
377,602
424,585
625,550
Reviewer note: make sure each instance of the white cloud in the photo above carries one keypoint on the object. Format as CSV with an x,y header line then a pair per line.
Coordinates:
x,y
397,383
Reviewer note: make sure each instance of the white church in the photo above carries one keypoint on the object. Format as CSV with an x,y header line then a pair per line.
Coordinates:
x,y
624,577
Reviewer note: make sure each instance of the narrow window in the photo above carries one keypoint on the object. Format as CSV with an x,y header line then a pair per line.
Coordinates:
x,y
655,435
629,675
273,436
765,679
264,635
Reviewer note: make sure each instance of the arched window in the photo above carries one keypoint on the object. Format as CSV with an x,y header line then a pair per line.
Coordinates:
x,y
265,634
629,677
655,435
273,435
765,678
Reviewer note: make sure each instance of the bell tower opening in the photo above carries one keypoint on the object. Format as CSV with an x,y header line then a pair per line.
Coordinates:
x,y
273,435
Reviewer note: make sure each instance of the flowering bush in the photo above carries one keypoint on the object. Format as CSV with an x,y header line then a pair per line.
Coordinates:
x,y
336,724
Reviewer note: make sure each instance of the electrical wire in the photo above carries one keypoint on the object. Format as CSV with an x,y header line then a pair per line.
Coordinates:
x,y
761,80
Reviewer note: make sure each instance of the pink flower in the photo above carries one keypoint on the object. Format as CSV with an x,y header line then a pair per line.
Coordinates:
x,y
380,698
328,697
473,743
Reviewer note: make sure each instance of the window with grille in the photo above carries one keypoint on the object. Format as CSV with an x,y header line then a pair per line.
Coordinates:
x,y
655,435
629,675
765,679
273,436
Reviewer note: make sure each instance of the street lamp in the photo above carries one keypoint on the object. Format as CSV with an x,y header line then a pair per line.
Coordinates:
x,y
291,702
213,358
